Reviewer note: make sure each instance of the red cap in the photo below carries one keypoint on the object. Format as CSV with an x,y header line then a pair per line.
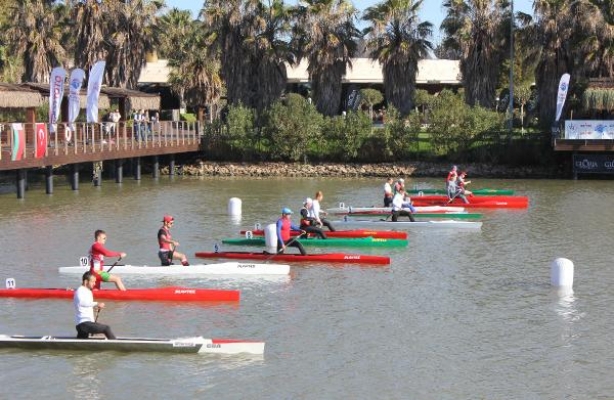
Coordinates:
x,y
168,218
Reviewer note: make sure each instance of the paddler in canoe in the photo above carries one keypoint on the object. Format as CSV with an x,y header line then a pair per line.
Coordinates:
x,y
167,250
284,226
316,211
96,258
401,206
309,224
451,182
460,190
84,303
388,195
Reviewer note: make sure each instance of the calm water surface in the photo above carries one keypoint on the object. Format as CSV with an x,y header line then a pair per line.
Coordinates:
x,y
458,315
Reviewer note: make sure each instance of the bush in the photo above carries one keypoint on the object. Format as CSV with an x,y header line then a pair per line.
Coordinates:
x,y
188,117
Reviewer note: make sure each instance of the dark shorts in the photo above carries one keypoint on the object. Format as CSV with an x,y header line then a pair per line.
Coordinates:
x,y
166,258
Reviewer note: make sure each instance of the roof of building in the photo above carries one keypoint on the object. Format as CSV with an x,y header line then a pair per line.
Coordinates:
x,y
363,70
43,90
14,96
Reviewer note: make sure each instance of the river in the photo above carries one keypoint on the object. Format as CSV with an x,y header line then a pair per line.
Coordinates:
x,y
457,315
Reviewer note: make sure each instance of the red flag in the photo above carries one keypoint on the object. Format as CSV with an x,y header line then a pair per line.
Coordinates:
x,y
19,142
41,140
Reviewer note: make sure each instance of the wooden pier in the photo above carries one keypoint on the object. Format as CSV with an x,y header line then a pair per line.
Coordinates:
x,y
93,143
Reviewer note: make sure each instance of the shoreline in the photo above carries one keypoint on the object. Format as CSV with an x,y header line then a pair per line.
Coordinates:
x,y
350,170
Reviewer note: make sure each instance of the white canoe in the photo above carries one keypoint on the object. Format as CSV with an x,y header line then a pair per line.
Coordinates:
x,y
382,210
404,223
227,268
180,345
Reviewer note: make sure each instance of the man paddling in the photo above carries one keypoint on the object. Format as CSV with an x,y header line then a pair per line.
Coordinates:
x,y
284,226
401,206
309,224
97,254
84,303
167,250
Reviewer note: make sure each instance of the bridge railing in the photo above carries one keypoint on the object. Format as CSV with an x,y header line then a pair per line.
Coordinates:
x,y
87,138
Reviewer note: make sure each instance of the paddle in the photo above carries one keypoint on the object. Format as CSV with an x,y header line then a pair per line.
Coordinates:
x,y
109,270
287,244
97,314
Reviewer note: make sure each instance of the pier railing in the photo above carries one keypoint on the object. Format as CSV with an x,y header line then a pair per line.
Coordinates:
x,y
92,142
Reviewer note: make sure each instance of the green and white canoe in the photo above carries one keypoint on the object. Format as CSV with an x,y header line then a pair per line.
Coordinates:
x,y
478,192
329,242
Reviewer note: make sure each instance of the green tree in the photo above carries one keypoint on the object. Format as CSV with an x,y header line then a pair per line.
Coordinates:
x,y
130,26
252,41
522,95
371,97
474,29
35,37
194,71
398,40
90,32
325,33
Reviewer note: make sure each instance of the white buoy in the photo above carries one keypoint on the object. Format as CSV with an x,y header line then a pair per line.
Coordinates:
x,y
270,238
561,273
234,206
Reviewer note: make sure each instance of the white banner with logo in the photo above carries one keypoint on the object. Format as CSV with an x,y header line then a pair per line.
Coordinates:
x,y
56,93
562,95
76,81
93,91
589,129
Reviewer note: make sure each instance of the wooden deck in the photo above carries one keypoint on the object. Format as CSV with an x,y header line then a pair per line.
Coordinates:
x,y
100,142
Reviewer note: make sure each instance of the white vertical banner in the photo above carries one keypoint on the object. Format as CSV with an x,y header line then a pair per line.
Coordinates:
x,y
56,93
75,82
93,91
562,95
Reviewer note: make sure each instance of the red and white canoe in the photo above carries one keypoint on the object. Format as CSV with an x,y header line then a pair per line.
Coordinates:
x,y
474,201
319,258
169,293
353,233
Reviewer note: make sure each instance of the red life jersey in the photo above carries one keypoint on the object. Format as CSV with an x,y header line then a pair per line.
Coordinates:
x,y
451,176
285,229
164,245
97,255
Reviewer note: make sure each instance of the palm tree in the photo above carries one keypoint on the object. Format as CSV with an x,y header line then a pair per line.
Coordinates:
x,y
34,35
90,31
474,30
398,40
325,33
194,72
129,36
251,39
562,28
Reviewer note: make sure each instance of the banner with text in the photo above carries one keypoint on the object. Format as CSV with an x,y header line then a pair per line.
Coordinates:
x,y
593,163
589,129
93,90
56,93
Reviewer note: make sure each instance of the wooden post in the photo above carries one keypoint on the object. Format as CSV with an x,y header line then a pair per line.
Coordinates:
x,y
74,177
171,166
137,168
49,179
119,171
21,183
156,167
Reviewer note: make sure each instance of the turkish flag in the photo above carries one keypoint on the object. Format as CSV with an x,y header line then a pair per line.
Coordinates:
x,y
41,140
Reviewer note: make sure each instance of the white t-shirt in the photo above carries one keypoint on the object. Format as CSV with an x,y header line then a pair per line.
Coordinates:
x,y
315,209
84,303
387,189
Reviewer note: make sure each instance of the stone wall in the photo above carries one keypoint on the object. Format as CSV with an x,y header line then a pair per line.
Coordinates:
x,y
416,169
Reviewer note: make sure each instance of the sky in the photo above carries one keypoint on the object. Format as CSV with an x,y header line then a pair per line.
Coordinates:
x,y
432,10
